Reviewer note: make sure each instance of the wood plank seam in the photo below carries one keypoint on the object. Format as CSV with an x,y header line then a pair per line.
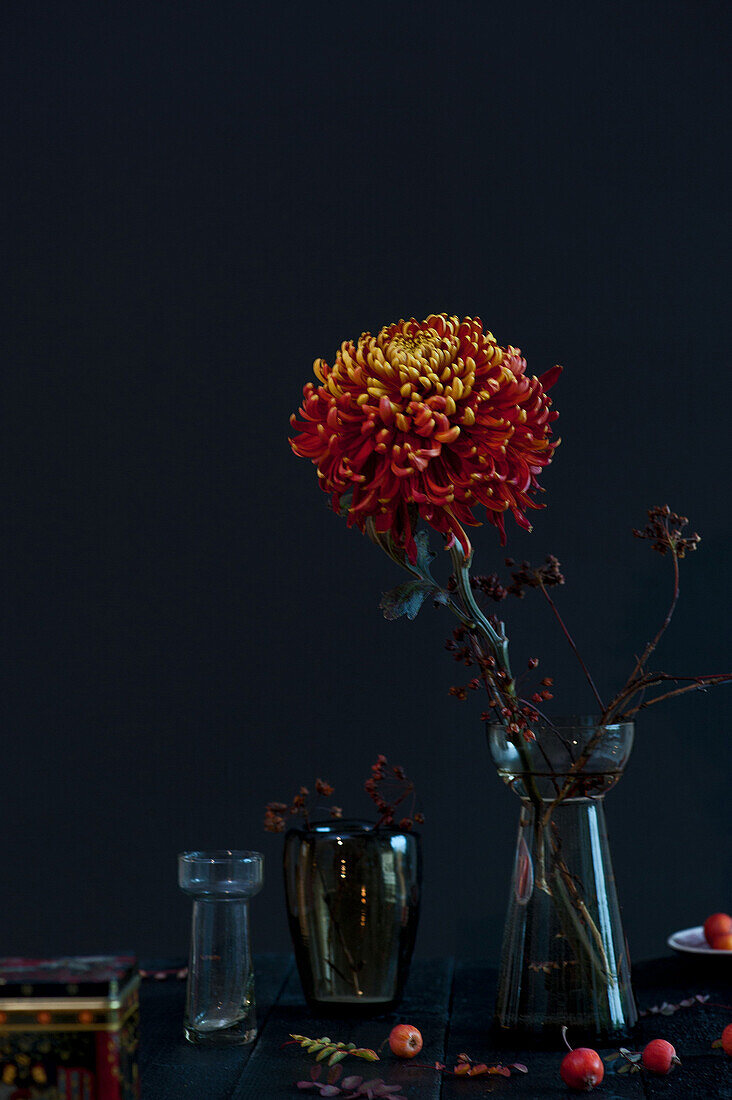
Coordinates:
x,y
261,1025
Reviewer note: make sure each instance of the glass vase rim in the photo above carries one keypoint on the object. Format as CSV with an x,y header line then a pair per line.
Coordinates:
x,y
220,855
570,721
357,825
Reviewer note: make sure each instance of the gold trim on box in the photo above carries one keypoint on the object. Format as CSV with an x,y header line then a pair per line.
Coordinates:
x,y
58,1004
107,1013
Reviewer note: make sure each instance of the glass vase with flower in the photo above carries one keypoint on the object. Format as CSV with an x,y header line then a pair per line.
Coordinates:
x,y
418,427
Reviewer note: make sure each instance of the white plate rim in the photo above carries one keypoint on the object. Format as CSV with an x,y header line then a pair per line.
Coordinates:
x,y
675,945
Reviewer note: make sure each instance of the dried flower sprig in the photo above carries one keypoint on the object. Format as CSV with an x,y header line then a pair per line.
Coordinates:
x,y
469,1067
666,1009
388,787
542,576
275,812
348,1087
326,1050
666,531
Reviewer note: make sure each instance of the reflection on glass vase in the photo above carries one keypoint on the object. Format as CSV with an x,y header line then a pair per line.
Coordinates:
x,y
353,894
564,958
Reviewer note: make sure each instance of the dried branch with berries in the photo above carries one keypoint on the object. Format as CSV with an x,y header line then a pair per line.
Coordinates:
x,y
507,696
388,787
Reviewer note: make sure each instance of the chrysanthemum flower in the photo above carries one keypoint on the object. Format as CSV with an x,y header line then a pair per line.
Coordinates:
x,y
427,418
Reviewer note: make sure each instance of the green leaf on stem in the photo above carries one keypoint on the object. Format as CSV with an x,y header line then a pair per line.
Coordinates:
x,y
424,555
407,599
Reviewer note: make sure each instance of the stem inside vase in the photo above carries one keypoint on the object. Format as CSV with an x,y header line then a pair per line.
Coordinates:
x,y
564,958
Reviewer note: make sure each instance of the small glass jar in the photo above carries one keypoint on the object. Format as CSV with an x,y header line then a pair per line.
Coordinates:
x,y
353,896
220,1006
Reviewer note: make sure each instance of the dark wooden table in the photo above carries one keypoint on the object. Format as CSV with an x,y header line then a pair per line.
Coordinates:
x,y
451,1004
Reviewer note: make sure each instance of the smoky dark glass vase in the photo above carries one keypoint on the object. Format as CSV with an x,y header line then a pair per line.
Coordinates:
x,y
353,896
564,958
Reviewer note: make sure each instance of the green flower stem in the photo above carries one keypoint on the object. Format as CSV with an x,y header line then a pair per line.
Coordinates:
x,y
580,928
498,642
578,922
579,925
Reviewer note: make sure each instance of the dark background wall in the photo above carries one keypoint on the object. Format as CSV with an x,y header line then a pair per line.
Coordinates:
x,y
205,197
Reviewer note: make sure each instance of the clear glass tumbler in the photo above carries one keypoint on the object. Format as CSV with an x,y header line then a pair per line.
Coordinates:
x,y
220,1007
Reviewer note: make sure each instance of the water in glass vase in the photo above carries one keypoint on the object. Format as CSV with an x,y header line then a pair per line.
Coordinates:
x,y
353,893
564,958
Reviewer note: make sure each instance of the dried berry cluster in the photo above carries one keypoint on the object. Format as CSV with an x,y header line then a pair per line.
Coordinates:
x,y
517,713
505,704
665,531
275,812
526,576
489,584
491,587
388,787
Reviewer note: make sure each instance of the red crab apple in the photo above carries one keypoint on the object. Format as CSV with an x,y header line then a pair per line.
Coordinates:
x,y
659,1056
722,943
405,1040
727,1040
582,1068
719,924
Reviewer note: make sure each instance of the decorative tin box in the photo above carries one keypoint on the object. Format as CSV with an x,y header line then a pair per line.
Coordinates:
x,y
68,1028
